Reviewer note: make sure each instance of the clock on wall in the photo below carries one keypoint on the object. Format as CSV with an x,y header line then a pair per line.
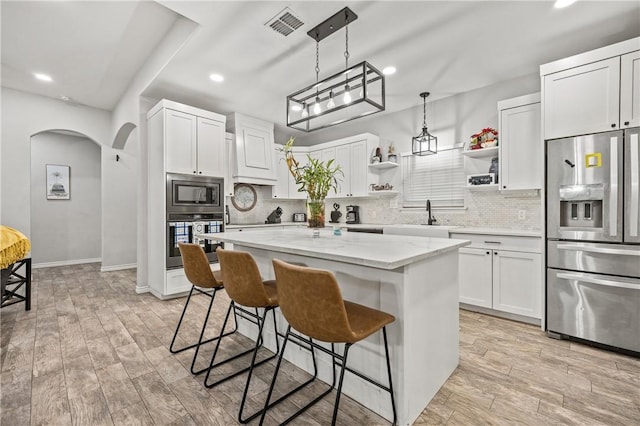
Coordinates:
x,y
244,197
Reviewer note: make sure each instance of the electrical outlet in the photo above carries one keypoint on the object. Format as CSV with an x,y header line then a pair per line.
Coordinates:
x,y
522,214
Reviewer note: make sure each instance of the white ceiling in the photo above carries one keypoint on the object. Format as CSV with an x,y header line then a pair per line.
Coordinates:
x,y
93,49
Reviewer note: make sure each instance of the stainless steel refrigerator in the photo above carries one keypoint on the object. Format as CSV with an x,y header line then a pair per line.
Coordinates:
x,y
593,238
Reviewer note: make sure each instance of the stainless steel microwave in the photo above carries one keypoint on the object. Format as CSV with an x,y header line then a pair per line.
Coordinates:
x,y
187,193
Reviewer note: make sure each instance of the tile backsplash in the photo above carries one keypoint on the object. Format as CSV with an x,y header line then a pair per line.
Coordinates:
x,y
493,209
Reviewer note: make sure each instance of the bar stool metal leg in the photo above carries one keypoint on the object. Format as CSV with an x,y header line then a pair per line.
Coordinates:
x,y
386,352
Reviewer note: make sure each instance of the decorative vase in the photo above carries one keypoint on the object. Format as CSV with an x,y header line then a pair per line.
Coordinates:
x,y
315,213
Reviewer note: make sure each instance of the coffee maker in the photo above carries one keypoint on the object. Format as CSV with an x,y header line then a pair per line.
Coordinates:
x,y
353,214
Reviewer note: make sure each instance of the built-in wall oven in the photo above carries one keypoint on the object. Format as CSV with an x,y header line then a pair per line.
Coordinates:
x,y
194,205
593,238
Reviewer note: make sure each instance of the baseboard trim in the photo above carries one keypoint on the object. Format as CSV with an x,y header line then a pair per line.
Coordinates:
x,y
118,267
143,289
65,263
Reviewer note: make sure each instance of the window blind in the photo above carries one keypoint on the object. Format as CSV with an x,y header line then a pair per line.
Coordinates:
x,y
439,178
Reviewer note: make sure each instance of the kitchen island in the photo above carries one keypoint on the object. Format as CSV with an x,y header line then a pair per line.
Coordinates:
x,y
413,278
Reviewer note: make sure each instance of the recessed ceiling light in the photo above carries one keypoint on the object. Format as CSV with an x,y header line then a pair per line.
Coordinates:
x,y
559,4
217,78
389,70
65,98
42,77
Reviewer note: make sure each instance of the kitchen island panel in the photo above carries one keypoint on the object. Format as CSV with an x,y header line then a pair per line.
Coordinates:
x,y
423,296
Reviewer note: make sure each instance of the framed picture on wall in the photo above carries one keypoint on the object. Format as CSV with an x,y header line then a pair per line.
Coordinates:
x,y
58,182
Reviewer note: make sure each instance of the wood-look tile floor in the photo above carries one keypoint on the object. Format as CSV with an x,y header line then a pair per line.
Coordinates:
x,y
92,351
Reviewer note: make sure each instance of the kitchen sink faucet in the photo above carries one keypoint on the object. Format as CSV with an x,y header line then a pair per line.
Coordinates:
x,y
431,220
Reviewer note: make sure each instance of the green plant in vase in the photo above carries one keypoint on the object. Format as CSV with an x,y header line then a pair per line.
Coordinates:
x,y
316,178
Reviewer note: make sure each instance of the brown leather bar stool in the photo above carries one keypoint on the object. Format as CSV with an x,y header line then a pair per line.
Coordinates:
x,y
311,301
245,287
204,281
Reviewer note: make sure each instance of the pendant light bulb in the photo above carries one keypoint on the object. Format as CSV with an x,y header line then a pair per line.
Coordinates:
x,y
317,109
305,110
331,103
347,95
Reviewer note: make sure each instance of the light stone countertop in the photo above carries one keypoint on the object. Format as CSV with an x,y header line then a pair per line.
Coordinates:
x,y
374,250
451,228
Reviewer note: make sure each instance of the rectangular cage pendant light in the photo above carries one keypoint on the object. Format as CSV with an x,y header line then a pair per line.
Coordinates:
x,y
355,92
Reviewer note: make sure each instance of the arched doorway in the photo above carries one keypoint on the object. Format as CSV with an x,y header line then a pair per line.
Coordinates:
x,y
66,228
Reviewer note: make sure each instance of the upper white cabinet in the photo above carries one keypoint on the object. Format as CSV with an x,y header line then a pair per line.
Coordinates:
x,y
352,156
193,140
630,90
286,187
254,150
592,92
520,143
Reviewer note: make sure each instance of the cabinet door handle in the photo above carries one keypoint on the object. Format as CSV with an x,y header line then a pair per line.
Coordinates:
x,y
194,172
613,125
492,242
626,123
495,253
199,173
488,252
504,186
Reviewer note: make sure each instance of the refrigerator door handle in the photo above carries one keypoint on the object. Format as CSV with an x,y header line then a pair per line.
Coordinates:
x,y
602,250
613,196
635,190
598,281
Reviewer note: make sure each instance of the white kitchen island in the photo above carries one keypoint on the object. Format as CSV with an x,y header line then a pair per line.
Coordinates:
x,y
413,278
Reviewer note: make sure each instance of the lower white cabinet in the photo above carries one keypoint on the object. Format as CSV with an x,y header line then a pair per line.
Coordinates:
x,y
503,279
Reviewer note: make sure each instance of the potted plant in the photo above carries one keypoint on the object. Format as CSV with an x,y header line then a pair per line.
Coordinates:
x,y
315,178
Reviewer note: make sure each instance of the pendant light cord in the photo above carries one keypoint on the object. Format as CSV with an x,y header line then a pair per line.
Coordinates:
x,y
424,112
346,45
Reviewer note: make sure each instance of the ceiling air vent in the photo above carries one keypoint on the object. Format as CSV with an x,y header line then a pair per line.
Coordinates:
x,y
285,22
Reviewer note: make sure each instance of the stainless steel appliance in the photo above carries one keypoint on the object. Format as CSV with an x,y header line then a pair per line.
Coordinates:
x,y
194,206
353,214
299,217
187,193
593,239
183,227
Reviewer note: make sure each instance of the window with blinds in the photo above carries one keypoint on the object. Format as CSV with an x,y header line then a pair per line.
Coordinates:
x,y
439,178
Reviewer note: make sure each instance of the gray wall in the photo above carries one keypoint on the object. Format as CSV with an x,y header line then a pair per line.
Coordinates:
x,y
66,231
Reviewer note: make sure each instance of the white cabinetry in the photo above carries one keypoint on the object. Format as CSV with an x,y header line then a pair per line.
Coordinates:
x,y
501,273
286,187
230,159
254,149
630,90
591,92
520,143
181,139
194,144
352,158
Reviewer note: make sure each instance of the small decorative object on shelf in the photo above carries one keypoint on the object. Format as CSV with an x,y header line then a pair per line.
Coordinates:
x,y
391,154
486,138
385,187
377,157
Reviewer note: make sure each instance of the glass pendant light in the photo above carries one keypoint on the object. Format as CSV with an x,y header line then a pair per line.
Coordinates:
x,y
331,103
305,110
425,143
347,95
317,109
